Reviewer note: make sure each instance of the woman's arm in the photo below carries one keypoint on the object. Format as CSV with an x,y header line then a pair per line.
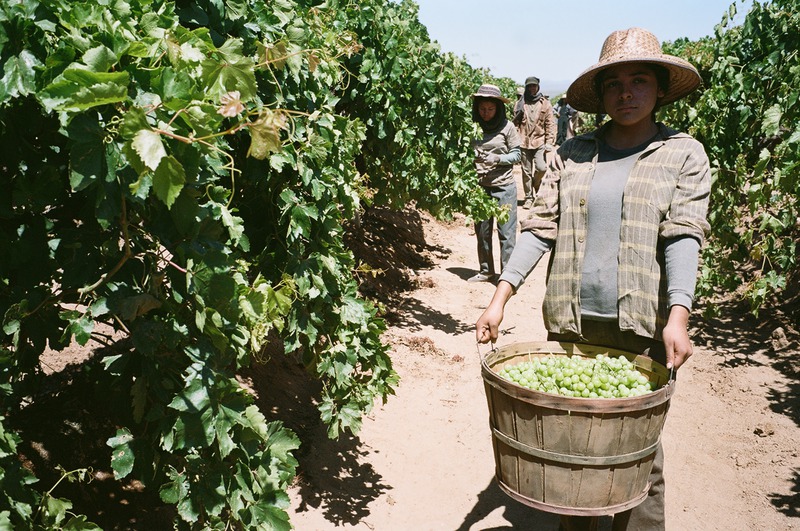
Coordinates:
x,y
684,231
513,156
527,253
681,257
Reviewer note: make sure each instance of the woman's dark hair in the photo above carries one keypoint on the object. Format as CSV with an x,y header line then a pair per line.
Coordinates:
x,y
662,79
496,122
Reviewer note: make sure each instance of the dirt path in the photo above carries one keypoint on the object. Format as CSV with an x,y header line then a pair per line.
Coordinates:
x,y
424,460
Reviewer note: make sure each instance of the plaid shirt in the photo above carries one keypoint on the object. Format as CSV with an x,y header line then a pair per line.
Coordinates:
x,y
666,196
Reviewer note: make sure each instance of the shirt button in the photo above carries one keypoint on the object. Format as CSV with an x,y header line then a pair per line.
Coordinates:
x,y
583,202
580,239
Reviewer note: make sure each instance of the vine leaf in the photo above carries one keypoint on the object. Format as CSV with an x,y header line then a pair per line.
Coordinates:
x,y
137,305
271,517
148,146
139,399
230,104
79,89
80,326
19,76
122,453
772,120
87,154
234,72
265,134
168,180
176,489
273,54
100,58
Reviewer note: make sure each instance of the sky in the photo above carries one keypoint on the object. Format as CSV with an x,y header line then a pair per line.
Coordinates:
x,y
556,40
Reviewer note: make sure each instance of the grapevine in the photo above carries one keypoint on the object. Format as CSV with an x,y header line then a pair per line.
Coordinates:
x,y
181,174
747,117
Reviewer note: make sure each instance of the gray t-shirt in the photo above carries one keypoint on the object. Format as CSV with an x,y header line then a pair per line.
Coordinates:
x,y
604,208
599,276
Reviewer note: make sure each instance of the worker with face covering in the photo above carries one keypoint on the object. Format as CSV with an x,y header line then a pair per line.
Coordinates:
x,y
496,152
535,121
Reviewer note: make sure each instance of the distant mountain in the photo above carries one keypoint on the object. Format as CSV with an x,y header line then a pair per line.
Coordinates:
x,y
553,89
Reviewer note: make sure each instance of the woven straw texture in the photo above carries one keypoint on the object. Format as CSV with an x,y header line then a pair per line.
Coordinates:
x,y
634,45
488,90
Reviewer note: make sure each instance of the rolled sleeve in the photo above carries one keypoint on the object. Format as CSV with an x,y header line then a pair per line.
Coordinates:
x,y
527,253
689,207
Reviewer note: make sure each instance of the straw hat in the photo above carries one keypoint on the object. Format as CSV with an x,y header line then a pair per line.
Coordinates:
x,y
634,45
490,91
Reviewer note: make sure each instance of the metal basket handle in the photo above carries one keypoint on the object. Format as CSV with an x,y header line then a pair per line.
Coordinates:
x,y
478,348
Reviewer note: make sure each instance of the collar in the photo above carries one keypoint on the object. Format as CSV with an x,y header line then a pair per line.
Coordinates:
x,y
664,133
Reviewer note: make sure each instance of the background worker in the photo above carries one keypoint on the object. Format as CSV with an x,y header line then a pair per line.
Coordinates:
x,y
536,123
496,152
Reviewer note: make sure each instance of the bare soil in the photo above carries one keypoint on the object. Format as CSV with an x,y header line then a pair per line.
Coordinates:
x,y
423,461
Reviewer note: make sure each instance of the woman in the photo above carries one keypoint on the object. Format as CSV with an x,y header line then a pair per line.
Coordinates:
x,y
624,214
496,153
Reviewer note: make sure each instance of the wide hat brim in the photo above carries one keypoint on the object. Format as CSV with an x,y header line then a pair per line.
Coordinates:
x,y
491,97
489,91
632,46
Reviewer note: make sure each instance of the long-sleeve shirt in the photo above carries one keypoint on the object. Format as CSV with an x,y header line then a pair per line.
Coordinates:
x,y
665,199
505,143
536,123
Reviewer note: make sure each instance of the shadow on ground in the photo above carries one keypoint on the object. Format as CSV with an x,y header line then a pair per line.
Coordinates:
x,y
464,273
520,517
413,315
330,472
67,425
392,244
739,339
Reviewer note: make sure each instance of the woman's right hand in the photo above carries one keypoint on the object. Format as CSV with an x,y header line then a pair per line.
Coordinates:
x,y
486,329
488,324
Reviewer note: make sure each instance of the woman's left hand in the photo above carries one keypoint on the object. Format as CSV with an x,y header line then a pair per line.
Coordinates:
x,y
492,159
676,337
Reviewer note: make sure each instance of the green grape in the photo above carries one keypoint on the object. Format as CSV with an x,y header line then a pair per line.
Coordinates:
x,y
599,377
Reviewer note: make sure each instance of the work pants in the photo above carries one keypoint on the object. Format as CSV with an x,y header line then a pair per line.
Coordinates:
x,y
534,167
506,232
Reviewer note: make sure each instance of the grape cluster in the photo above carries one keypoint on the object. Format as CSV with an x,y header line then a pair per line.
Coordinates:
x,y
599,377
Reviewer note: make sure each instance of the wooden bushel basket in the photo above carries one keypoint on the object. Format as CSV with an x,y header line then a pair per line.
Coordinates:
x,y
575,456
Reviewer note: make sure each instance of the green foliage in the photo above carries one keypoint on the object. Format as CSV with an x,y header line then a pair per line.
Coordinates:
x,y
415,104
700,53
747,117
21,506
181,172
